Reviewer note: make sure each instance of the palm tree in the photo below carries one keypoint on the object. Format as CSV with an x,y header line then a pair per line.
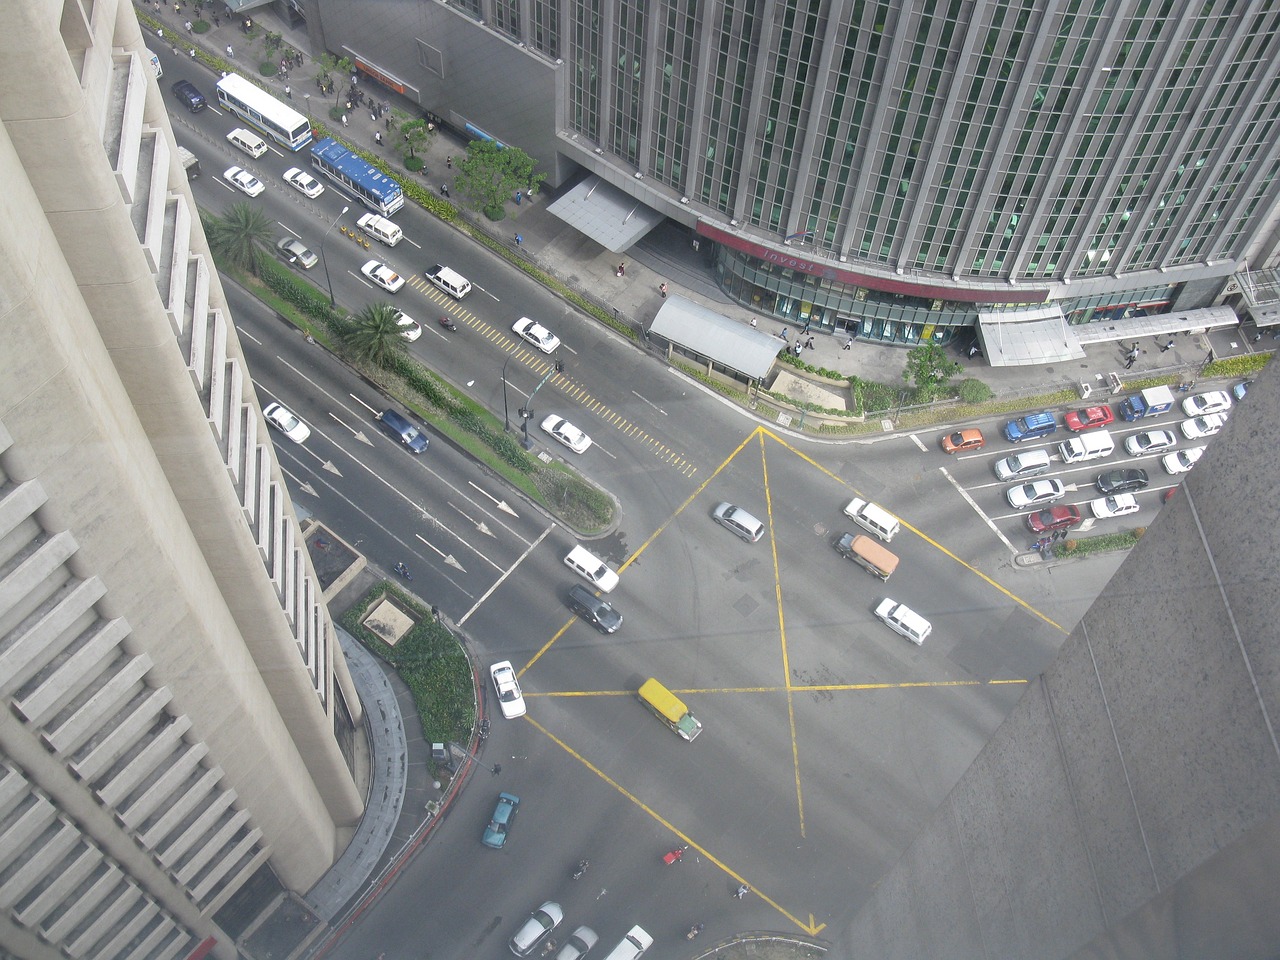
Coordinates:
x,y
374,334
240,236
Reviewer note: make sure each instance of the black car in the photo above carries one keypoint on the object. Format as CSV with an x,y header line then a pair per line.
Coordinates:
x,y
597,612
189,96
1121,481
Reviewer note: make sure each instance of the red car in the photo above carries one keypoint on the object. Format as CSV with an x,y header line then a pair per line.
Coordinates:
x,y
1053,518
1089,418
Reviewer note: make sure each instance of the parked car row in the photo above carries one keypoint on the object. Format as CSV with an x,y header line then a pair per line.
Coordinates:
x,y
539,925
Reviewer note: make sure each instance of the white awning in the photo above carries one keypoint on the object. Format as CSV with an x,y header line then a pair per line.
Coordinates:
x,y
604,213
1014,338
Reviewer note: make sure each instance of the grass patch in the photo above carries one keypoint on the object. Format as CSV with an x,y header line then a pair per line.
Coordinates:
x,y
1103,543
429,660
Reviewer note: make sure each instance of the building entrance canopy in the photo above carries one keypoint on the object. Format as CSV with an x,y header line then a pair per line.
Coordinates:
x,y
604,213
726,343
1024,337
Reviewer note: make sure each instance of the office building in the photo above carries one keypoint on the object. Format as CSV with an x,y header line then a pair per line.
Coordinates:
x,y
904,172
175,748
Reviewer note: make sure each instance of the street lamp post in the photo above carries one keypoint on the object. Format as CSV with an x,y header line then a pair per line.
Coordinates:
x,y
506,417
328,282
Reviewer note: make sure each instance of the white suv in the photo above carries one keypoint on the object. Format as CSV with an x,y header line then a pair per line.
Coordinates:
x,y
633,945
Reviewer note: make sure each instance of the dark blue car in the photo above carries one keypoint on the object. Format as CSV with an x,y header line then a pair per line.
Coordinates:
x,y
397,426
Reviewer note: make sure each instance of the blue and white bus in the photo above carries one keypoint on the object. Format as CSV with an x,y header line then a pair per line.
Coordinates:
x,y
356,177
282,124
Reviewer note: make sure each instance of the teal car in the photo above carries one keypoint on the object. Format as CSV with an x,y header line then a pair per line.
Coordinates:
x,y
504,814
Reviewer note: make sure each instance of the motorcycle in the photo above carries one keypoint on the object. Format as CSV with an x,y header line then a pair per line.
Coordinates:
x,y
581,869
673,856
448,324
403,570
693,931
484,729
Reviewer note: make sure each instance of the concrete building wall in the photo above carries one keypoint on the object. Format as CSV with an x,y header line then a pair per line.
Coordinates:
x,y
1130,805
170,675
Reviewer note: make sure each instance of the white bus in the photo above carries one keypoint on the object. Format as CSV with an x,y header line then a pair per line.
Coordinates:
x,y
283,124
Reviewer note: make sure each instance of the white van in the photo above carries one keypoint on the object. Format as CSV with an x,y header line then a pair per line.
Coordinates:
x,y
591,568
249,142
1087,446
873,518
450,281
1020,466
632,946
904,621
381,229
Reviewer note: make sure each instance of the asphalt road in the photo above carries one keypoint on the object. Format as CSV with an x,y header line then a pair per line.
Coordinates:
x,y
828,739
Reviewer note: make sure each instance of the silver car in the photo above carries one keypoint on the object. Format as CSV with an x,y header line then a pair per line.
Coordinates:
x,y
294,251
540,923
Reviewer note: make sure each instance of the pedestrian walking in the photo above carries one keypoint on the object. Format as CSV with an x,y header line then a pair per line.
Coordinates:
x,y
188,26
448,161
373,116
753,321
798,347
662,289
230,53
519,240
622,270
217,21
1130,361
377,138
519,197
783,334
288,92
387,121
848,344
192,51
1167,346
344,119
808,344
444,189
806,326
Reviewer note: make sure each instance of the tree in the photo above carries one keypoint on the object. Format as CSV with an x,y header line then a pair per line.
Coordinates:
x,y
241,236
415,135
374,334
929,367
326,65
490,174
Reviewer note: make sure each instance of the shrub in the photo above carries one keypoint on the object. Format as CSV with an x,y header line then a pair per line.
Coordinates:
x,y
496,213
972,390
268,68
414,164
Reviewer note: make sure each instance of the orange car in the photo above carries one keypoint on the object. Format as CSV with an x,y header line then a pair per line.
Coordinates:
x,y
971,439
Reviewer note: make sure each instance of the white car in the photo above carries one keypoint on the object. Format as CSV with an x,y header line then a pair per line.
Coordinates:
x,y
579,942
1199,405
540,923
243,180
1205,426
1121,505
1035,493
410,329
303,182
1153,441
1182,461
537,334
288,423
632,946
383,276
564,431
507,687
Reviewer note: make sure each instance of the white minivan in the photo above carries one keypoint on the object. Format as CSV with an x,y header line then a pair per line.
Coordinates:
x,y
591,568
450,281
904,621
249,142
381,229
873,518
1087,446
